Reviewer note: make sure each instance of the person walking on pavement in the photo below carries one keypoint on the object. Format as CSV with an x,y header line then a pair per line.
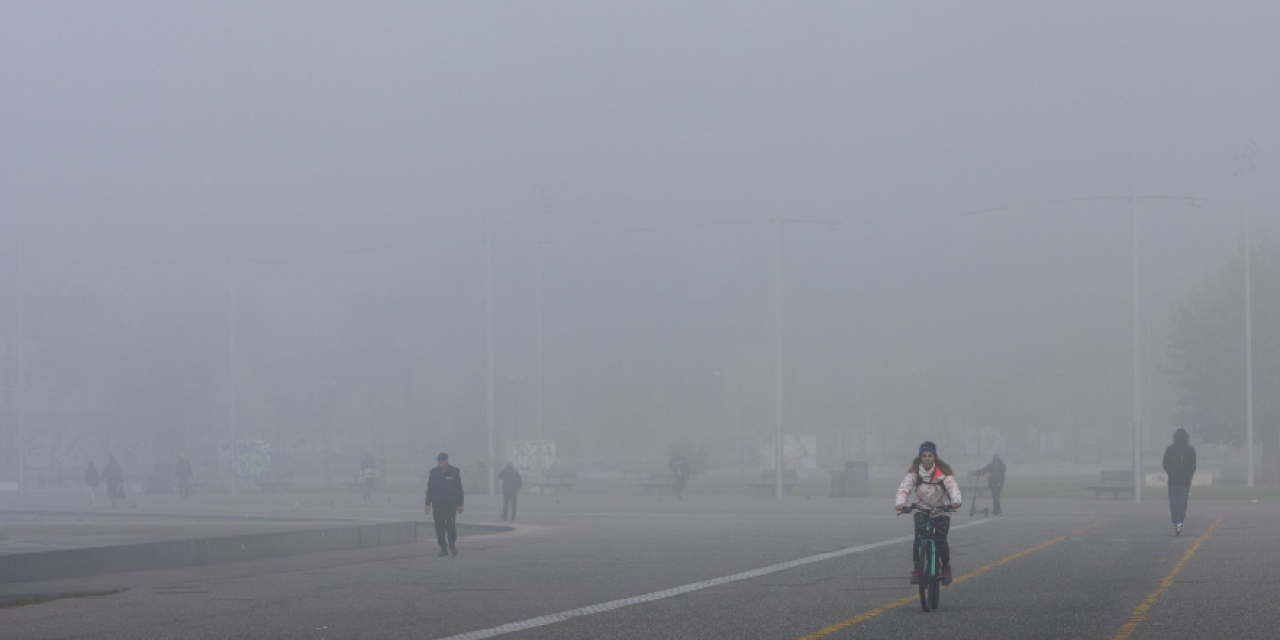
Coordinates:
x,y
511,483
368,473
114,477
681,469
182,471
1180,464
995,481
91,480
444,492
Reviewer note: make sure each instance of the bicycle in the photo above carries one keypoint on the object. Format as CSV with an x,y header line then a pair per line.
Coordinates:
x,y
927,564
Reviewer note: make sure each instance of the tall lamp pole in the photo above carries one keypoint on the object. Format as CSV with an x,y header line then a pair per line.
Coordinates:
x,y
1132,199
1137,356
233,408
777,354
1248,344
1247,162
488,337
777,223
20,388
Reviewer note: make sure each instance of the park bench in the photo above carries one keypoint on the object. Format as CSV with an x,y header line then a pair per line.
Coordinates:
x,y
357,482
1116,482
660,480
553,486
768,481
273,485
556,481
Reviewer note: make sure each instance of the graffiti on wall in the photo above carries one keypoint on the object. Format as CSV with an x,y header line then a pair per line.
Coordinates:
x,y
252,459
531,455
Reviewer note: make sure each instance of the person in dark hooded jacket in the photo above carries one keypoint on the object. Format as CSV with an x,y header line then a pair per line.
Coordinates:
x,y
995,481
511,483
1180,464
113,475
444,492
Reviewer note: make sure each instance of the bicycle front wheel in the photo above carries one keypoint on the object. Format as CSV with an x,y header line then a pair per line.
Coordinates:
x,y
925,566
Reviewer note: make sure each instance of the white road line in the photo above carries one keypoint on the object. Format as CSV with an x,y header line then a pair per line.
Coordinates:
x,y
542,621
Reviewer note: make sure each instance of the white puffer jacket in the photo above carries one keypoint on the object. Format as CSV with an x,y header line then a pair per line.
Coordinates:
x,y
937,490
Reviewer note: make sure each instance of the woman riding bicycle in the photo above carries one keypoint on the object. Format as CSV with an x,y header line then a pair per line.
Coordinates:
x,y
934,488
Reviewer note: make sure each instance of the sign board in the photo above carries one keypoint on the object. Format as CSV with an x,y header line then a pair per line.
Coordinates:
x,y
798,452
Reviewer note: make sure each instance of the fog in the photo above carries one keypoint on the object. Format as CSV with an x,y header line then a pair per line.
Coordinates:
x,y
279,221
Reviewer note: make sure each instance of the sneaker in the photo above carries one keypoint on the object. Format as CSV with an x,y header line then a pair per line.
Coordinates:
x,y
443,552
453,550
915,576
946,575
1177,529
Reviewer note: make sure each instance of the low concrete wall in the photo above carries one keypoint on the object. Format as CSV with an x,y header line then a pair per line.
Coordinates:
x,y
72,563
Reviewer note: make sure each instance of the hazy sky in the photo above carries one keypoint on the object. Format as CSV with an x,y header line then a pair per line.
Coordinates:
x,y
135,132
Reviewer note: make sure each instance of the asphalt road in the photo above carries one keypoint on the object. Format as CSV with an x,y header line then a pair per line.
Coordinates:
x,y
634,567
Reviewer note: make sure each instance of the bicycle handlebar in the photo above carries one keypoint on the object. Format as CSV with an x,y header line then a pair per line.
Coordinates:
x,y
926,510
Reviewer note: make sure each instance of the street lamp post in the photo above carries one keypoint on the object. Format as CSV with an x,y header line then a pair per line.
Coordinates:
x,y
488,243
1247,163
488,338
20,388
233,409
1132,199
1137,357
519,380
777,351
777,223
537,379
1248,345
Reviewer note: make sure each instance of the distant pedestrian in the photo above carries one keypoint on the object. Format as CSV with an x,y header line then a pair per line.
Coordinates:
x,y
511,483
183,472
1180,465
113,475
680,470
995,481
369,473
444,492
91,480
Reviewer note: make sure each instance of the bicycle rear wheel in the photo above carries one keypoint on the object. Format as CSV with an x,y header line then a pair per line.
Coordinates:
x,y
925,566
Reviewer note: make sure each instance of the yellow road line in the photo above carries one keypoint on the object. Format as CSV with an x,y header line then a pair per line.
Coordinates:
x,y
1141,612
972,574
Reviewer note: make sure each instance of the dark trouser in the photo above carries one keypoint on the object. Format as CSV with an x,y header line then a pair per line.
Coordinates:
x,y
509,500
680,488
996,488
1178,503
184,488
941,525
368,488
446,517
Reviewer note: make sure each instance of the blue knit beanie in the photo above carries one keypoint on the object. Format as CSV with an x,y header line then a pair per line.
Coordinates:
x,y
930,447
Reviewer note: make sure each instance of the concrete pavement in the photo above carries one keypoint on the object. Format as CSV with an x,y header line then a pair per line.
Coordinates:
x,y
1074,569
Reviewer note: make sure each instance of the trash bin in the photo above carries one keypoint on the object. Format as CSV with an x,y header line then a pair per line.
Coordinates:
x,y
857,479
